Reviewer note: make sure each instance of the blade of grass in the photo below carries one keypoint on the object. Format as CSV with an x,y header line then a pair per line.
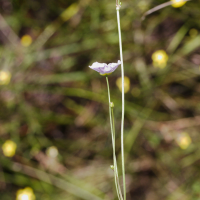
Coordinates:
x,y
53,180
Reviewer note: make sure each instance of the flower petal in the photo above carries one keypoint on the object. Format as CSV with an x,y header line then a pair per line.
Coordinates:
x,y
113,66
103,68
98,66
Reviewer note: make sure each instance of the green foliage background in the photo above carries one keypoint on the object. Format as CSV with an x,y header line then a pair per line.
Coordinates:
x,y
54,99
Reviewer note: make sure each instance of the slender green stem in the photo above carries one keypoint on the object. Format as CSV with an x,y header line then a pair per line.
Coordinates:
x,y
115,160
122,122
119,194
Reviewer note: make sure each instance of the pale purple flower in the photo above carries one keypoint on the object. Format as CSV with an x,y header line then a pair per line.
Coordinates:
x,y
105,69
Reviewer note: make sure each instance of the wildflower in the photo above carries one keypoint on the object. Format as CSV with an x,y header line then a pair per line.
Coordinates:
x,y
160,58
177,3
26,40
105,69
52,152
126,84
9,148
183,140
4,77
25,194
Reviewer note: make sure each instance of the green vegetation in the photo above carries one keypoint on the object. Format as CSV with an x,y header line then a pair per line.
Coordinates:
x,y
54,108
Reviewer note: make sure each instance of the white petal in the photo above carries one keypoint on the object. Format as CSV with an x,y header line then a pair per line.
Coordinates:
x,y
98,66
103,68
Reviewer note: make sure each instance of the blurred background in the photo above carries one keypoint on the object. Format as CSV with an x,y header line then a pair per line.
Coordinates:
x,y
54,124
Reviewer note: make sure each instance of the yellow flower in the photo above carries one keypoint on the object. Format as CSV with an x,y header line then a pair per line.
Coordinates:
x,y
26,40
177,3
4,77
126,84
160,58
9,148
183,140
52,152
25,194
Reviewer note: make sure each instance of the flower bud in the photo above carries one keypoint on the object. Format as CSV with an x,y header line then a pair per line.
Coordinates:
x,y
112,105
112,167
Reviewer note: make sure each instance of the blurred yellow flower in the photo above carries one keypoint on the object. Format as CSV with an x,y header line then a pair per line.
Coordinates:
x,y
9,148
4,77
26,40
126,84
25,194
183,140
177,3
160,58
52,152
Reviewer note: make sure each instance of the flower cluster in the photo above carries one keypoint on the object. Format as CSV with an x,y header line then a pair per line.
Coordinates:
x,y
160,59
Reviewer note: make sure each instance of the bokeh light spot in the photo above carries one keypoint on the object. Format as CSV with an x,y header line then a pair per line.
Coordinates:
x,y
160,58
26,40
178,3
9,148
126,84
4,77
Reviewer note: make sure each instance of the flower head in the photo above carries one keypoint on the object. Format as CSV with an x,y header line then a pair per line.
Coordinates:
x,y
183,140
52,152
4,77
160,58
9,148
26,40
25,194
177,3
126,84
105,69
